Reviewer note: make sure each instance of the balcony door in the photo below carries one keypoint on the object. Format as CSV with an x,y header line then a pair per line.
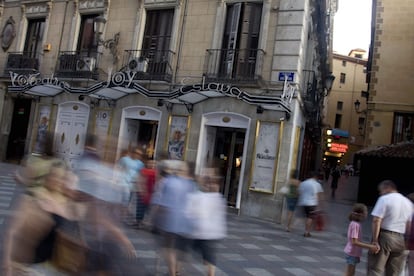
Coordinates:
x,y
240,40
157,39
34,37
87,43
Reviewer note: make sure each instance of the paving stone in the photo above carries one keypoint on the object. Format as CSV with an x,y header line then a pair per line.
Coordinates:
x,y
272,258
298,271
306,259
258,272
249,246
335,259
4,205
233,257
282,247
260,238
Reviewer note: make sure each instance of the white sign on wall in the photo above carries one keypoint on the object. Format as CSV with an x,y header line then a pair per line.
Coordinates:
x,y
265,157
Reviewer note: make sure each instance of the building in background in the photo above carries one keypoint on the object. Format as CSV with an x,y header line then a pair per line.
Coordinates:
x,y
391,102
236,84
346,108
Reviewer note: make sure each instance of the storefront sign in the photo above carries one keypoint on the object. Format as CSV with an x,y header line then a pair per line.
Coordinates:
x,y
223,88
127,79
336,147
31,80
265,157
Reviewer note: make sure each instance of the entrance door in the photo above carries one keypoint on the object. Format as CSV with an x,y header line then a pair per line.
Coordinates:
x,y
70,133
18,132
142,134
223,144
139,128
228,153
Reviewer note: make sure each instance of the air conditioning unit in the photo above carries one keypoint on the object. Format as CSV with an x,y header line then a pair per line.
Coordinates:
x,y
85,64
139,64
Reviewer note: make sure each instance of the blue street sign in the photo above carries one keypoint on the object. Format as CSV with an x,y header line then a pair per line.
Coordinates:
x,y
290,76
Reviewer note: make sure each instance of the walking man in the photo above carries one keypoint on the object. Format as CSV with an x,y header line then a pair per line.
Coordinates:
x,y
310,192
391,219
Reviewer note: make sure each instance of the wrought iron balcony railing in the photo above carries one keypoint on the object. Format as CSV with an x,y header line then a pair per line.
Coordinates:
x,y
78,65
22,63
149,64
236,65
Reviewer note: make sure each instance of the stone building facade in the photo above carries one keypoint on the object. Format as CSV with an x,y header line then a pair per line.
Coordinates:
x,y
346,107
391,103
236,84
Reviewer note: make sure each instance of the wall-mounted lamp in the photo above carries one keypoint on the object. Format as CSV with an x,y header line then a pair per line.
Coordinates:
x,y
168,105
287,114
112,43
189,107
259,109
357,105
329,82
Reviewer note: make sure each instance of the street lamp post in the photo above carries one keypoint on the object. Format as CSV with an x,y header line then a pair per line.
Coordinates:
x,y
112,43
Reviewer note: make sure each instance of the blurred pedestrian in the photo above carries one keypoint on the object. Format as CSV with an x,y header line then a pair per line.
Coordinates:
x,y
102,197
37,165
171,218
207,209
354,245
392,215
410,239
310,194
130,165
336,175
292,196
146,182
46,223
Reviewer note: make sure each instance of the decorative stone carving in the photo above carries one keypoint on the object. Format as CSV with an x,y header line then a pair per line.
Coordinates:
x,y
8,33
29,8
162,2
93,4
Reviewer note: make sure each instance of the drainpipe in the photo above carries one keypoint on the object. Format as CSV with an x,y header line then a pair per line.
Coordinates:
x,y
180,45
61,32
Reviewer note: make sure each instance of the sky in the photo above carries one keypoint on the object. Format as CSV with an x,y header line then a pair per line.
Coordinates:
x,y
352,26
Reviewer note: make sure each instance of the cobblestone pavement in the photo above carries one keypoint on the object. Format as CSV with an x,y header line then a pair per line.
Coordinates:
x,y
253,246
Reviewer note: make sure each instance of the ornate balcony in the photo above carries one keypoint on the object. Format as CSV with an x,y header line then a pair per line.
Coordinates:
x,y
77,65
234,65
149,64
22,63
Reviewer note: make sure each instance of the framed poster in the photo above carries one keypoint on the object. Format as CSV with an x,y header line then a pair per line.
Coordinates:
x,y
266,155
42,127
102,125
177,136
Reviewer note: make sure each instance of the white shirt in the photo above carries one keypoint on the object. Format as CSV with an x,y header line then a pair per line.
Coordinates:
x,y
208,212
308,192
395,210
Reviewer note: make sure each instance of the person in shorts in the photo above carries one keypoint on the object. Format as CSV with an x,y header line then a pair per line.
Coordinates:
x,y
310,193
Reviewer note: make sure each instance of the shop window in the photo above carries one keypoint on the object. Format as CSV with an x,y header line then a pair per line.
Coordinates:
x,y
403,127
338,120
34,37
342,78
339,105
